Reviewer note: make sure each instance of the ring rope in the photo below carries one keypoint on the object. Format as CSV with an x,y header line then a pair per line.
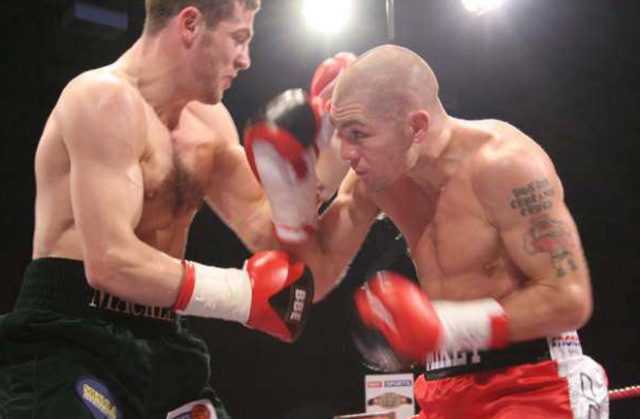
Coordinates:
x,y
624,393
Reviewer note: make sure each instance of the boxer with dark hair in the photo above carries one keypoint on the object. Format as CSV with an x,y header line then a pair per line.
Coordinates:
x,y
127,156
160,12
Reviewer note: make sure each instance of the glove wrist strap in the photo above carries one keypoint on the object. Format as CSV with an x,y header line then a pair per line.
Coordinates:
x,y
208,291
188,283
469,325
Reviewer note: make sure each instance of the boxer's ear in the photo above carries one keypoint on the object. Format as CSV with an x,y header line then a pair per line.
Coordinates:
x,y
419,123
189,22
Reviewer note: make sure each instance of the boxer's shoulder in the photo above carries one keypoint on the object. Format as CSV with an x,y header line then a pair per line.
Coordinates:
x,y
105,84
507,149
214,121
97,102
101,97
502,137
505,167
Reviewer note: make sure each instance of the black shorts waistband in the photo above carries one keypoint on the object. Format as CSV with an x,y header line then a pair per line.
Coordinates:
x,y
441,365
60,285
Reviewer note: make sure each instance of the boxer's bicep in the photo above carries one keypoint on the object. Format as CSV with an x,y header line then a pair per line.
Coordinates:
x,y
102,134
348,218
233,191
556,293
546,247
237,198
523,199
342,229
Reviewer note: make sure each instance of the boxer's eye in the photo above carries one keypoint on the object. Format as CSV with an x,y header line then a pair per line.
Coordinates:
x,y
357,135
241,36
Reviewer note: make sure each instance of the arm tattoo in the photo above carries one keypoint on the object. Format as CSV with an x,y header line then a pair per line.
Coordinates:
x,y
533,198
547,235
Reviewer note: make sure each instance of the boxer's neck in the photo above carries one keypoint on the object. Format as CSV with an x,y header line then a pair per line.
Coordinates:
x,y
446,150
156,68
427,173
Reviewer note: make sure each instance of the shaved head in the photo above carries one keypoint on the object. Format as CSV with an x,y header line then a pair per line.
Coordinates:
x,y
391,81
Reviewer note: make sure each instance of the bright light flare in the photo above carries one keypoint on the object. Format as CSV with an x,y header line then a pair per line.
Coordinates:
x,y
328,16
481,6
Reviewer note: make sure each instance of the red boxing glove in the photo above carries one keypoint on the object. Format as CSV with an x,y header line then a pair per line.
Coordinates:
x,y
400,310
414,327
271,294
282,294
280,145
330,167
328,71
322,84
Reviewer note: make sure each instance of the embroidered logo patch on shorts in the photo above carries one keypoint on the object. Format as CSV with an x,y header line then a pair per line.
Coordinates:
x,y
97,398
200,409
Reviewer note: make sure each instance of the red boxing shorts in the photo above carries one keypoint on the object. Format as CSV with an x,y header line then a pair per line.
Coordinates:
x,y
545,378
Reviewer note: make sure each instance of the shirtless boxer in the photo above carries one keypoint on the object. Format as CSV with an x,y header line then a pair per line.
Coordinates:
x,y
503,279
125,160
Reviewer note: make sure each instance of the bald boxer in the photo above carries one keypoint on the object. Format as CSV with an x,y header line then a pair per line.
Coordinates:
x,y
503,281
127,157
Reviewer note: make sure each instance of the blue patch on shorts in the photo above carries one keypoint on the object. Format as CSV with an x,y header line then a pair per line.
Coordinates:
x,y
97,398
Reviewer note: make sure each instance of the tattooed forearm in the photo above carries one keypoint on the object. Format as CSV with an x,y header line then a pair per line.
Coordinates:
x,y
533,198
547,235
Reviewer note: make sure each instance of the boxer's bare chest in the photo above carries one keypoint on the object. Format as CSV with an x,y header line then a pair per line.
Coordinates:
x,y
176,168
456,251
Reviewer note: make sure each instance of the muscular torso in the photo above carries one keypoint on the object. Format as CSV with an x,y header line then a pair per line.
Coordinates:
x,y
176,166
456,250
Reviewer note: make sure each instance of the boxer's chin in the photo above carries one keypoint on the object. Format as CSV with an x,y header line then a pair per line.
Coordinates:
x,y
216,97
212,96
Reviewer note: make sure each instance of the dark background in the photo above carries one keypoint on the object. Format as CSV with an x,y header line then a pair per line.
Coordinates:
x,y
564,71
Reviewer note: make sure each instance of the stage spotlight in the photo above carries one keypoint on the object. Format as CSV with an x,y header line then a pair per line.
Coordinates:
x,y
328,16
481,6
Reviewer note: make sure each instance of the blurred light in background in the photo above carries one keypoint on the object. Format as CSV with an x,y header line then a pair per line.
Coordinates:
x,y
481,6
327,16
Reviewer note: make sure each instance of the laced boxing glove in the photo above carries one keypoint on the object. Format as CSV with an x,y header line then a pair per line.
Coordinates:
x,y
271,294
415,327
